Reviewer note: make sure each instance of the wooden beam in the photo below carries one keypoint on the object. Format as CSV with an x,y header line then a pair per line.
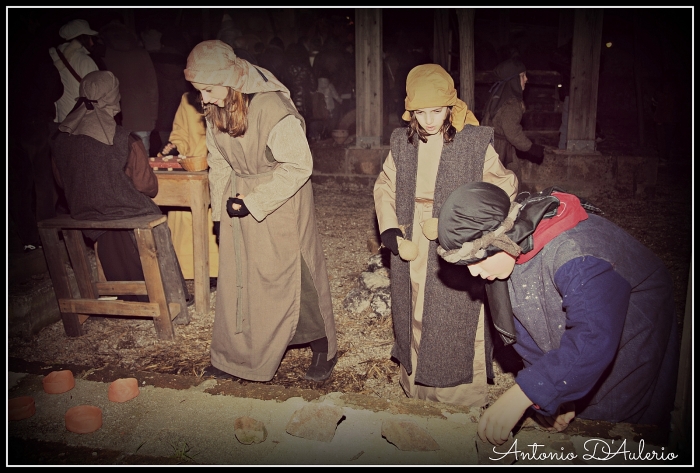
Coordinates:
x,y
681,437
65,222
121,308
59,277
441,36
585,68
368,77
467,79
118,288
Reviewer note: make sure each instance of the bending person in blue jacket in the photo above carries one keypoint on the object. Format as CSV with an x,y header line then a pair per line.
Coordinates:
x,y
588,307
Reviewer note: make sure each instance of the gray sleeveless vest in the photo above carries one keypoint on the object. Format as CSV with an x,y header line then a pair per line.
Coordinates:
x,y
453,297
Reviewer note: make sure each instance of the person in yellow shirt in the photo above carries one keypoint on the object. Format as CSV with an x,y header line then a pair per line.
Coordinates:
x,y
188,138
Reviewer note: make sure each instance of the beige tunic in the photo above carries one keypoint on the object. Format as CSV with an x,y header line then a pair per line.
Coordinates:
x,y
252,331
476,393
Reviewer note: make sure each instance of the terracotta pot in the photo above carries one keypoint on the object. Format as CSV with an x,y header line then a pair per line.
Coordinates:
x,y
58,382
83,419
20,408
123,389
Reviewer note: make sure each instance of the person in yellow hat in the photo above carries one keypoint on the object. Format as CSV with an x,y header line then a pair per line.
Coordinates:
x,y
437,309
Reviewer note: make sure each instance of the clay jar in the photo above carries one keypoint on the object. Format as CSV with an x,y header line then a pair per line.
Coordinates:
x,y
58,382
123,389
83,419
20,408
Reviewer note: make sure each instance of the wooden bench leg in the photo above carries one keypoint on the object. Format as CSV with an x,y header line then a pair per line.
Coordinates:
x,y
154,282
59,278
171,273
77,251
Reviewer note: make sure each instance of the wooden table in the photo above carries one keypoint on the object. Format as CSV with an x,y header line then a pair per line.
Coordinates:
x,y
180,188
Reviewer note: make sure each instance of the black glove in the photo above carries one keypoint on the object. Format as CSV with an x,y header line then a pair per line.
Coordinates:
x,y
389,240
534,154
242,212
217,229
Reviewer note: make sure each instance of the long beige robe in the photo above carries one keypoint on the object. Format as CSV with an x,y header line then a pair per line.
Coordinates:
x,y
476,393
261,301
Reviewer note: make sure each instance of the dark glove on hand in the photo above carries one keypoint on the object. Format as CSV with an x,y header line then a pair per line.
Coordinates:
x,y
389,240
217,229
242,212
173,152
536,153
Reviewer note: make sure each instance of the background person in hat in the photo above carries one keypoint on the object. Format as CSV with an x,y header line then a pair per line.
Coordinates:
x,y
437,310
79,39
273,287
592,308
504,112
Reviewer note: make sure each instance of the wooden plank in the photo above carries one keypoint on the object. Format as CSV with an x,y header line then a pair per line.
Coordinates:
x,y
154,281
121,308
65,222
465,19
118,288
59,277
173,287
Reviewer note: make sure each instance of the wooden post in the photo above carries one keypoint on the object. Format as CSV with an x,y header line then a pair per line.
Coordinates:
x,y
585,67
681,437
638,79
441,35
465,20
368,77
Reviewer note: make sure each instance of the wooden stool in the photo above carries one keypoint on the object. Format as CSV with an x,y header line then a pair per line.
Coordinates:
x,y
163,283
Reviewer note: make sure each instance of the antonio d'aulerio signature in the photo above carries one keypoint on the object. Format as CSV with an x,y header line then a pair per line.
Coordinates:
x,y
595,449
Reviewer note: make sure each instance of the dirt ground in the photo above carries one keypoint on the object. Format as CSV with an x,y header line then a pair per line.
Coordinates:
x,y
346,219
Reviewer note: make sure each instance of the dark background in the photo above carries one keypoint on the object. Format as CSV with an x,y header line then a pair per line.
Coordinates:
x,y
659,39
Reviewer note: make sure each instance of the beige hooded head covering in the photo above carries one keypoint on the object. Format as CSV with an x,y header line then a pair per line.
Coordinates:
x,y
213,62
98,104
429,85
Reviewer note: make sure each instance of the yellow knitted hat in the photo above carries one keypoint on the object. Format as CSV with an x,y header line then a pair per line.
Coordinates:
x,y
429,85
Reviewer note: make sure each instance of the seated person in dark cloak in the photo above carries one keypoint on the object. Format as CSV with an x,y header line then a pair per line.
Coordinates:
x,y
104,172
